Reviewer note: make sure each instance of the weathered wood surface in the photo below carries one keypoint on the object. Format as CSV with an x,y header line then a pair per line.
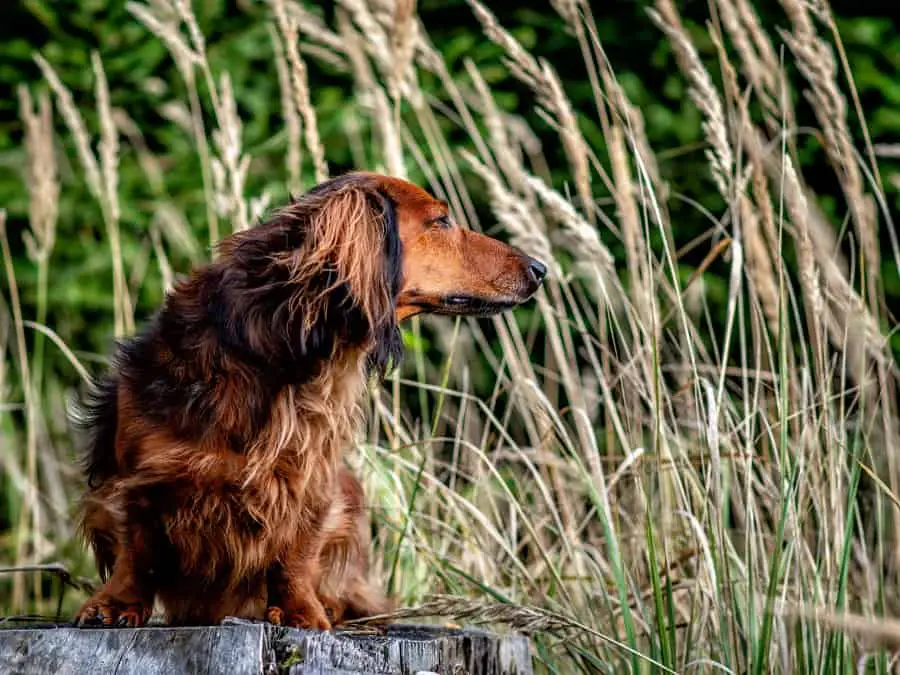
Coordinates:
x,y
260,648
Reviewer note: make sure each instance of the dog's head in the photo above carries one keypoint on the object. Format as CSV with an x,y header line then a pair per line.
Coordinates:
x,y
448,269
357,254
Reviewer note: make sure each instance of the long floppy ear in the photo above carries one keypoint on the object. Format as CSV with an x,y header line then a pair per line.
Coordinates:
x,y
388,349
350,261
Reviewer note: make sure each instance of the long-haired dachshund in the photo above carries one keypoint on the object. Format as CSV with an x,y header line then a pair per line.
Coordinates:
x,y
214,475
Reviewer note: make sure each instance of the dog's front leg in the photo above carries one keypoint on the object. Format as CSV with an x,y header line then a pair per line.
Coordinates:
x,y
126,599
292,593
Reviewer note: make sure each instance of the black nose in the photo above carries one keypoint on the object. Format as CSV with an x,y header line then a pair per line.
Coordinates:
x,y
536,271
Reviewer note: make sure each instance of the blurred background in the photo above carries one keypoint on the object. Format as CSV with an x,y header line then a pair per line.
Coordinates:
x,y
715,184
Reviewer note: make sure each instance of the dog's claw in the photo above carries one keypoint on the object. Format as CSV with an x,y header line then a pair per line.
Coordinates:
x,y
111,615
88,618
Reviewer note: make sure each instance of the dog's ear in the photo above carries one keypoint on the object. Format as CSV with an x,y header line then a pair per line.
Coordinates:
x,y
350,257
388,348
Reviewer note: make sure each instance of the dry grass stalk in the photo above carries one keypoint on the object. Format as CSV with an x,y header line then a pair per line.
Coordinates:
x,y
377,43
626,137
100,176
185,13
42,178
176,229
530,144
632,232
372,95
109,167
330,44
43,188
874,632
816,62
109,139
76,126
43,191
759,75
763,204
442,154
524,619
544,81
300,90
163,20
850,327
230,166
579,19
759,265
391,144
294,157
501,146
403,45
747,222
5,379
29,516
589,245
519,60
855,330
704,95
762,153
530,236
363,76
568,10
150,164
165,269
633,123
767,54
767,64
887,150
808,269
573,142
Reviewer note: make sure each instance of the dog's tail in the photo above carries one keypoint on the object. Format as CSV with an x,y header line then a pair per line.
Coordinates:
x,y
345,580
96,419
362,599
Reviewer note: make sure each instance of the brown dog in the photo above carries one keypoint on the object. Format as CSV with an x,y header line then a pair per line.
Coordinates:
x,y
214,463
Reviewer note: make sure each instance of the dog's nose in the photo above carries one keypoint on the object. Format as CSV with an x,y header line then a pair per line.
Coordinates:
x,y
536,272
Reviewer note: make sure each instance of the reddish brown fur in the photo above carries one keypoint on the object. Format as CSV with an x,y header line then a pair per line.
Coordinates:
x,y
215,461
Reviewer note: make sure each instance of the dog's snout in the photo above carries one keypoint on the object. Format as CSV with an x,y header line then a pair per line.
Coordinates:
x,y
536,273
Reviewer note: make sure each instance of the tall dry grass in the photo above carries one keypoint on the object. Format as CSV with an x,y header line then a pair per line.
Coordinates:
x,y
646,489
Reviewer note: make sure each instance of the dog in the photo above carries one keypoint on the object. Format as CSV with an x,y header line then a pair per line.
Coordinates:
x,y
213,461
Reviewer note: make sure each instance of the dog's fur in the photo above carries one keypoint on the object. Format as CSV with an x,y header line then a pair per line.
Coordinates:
x,y
215,482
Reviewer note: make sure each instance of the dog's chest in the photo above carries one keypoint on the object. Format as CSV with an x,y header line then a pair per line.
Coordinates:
x,y
240,529
276,492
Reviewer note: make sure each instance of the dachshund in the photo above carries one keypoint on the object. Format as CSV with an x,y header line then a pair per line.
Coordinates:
x,y
214,477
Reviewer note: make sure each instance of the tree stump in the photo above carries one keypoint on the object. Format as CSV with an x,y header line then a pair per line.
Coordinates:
x,y
238,648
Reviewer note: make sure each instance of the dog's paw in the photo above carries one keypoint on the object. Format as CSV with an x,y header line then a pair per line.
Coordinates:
x,y
334,609
275,616
105,612
307,618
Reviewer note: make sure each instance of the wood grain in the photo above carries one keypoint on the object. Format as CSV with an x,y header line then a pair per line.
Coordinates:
x,y
253,648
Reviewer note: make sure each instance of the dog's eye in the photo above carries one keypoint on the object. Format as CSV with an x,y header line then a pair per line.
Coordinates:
x,y
442,222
